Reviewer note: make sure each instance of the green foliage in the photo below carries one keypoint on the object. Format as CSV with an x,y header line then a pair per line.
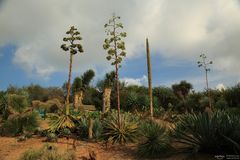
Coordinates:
x,y
108,81
114,44
123,132
31,155
87,77
232,96
73,37
182,89
19,124
209,133
4,113
51,137
82,83
18,102
48,152
154,140
194,102
77,85
165,96
82,126
60,121
221,104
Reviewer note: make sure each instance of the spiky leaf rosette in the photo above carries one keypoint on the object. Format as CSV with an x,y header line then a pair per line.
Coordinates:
x,y
155,140
123,132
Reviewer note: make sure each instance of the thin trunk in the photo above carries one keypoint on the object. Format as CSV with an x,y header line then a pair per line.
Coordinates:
x,y
118,94
116,67
149,79
209,96
69,81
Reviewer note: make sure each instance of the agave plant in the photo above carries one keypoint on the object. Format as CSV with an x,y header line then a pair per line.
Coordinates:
x,y
209,133
123,132
155,142
61,121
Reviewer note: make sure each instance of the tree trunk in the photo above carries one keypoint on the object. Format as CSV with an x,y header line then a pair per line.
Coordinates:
x,y
106,99
90,128
69,82
149,79
78,97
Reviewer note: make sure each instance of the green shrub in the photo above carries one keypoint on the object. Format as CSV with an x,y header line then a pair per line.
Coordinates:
x,y
51,137
18,102
31,155
48,152
21,123
123,132
221,104
209,133
154,140
97,129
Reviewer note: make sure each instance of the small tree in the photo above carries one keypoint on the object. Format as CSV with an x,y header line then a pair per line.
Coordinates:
x,y
73,47
182,90
81,84
205,64
108,83
115,47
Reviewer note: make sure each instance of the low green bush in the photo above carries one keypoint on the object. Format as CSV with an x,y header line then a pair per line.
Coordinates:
x,y
155,140
214,133
20,123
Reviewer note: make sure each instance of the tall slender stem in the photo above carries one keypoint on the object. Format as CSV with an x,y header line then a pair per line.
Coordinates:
x,y
69,82
116,67
208,92
149,78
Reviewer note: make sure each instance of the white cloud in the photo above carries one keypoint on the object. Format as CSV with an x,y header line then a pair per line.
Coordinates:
x,y
136,81
220,87
176,30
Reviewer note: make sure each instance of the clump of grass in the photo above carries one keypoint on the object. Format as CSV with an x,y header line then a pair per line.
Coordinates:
x,y
47,152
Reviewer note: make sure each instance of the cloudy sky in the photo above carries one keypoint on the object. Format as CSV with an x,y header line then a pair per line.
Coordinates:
x,y
31,33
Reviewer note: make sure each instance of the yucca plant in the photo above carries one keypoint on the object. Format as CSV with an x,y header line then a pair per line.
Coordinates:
x,y
155,140
209,133
123,132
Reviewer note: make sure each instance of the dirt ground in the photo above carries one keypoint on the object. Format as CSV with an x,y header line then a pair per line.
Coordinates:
x,y
10,149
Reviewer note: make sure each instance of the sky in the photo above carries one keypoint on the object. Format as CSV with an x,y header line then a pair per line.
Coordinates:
x,y
31,33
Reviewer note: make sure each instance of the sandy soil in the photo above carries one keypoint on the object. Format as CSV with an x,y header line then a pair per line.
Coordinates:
x,y
10,149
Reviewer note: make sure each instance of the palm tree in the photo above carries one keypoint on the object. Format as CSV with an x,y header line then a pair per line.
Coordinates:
x,y
74,48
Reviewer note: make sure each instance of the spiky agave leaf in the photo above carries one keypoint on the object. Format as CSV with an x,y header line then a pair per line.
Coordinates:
x,y
205,132
57,122
155,140
123,132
